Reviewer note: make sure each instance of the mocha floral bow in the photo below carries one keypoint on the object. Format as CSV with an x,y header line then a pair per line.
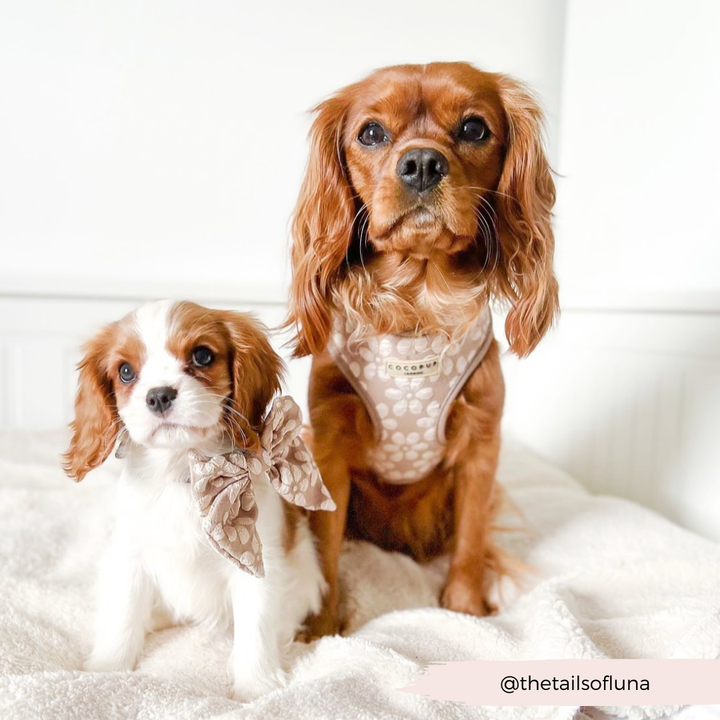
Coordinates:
x,y
223,485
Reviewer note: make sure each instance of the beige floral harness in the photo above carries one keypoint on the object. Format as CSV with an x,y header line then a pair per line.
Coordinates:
x,y
408,384
223,485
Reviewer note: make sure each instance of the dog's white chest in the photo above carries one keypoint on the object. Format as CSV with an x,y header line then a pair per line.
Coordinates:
x,y
192,579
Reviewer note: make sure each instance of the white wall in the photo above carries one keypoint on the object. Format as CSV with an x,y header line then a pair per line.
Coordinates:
x,y
637,214
157,147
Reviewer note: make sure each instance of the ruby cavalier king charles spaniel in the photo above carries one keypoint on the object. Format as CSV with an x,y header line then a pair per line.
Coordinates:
x,y
427,196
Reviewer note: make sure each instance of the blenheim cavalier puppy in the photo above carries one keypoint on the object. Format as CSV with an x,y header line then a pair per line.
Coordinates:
x,y
207,526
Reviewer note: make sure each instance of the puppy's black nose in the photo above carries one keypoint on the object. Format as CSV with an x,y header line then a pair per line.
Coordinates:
x,y
159,399
422,169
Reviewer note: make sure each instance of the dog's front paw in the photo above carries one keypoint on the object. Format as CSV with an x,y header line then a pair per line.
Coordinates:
x,y
465,595
249,686
324,623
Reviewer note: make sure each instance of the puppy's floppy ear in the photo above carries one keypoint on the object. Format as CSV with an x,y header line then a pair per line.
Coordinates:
x,y
526,195
96,424
256,372
322,228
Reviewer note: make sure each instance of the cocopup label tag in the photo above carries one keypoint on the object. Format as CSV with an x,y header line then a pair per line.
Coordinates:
x,y
412,368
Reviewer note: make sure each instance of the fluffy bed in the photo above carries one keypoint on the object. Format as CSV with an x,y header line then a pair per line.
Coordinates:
x,y
610,579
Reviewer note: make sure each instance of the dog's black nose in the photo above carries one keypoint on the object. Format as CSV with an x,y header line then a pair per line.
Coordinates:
x,y
159,399
422,169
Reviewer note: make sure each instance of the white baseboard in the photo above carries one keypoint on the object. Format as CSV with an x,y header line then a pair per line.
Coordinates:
x,y
629,404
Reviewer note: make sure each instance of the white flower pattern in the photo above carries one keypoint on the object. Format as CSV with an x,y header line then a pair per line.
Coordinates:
x,y
410,411
373,355
408,394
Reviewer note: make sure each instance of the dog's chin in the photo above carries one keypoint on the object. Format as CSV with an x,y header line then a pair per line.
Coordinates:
x,y
419,233
176,436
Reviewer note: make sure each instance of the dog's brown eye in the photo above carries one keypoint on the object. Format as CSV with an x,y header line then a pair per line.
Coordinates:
x,y
473,130
126,373
202,356
373,134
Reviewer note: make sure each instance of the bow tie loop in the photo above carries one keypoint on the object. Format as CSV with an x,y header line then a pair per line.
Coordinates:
x,y
291,467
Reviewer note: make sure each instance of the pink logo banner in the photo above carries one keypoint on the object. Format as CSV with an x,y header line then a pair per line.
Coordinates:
x,y
572,682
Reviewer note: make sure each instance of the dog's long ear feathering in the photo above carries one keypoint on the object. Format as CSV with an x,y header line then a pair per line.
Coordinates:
x,y
96,424
256,372
322,228
526,194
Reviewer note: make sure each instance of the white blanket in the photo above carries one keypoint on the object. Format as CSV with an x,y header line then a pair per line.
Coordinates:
x,y
610,579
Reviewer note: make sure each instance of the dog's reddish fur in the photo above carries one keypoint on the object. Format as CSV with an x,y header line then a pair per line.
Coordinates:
x,y
360,249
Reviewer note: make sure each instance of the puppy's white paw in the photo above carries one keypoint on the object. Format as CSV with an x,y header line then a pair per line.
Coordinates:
x,y
250,686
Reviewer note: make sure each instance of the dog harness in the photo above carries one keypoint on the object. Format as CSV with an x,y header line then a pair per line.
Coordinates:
x,y
408,384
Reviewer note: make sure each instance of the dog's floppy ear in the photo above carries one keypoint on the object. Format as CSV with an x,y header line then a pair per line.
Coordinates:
x,y
526,195
322,228
256,371
96,424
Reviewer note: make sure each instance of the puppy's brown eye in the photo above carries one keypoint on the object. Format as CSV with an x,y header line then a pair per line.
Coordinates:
x,y
474,130
202,356
373,134
126,373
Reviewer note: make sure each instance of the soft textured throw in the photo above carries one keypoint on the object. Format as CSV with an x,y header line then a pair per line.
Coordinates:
x,y
609,579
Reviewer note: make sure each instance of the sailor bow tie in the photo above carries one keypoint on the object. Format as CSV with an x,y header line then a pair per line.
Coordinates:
x,y
223,485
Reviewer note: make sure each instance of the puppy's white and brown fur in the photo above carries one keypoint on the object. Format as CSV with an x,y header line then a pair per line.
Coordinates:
x,y
159,558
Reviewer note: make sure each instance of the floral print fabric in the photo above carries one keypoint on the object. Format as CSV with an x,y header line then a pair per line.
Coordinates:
x,y
223,485
408,384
